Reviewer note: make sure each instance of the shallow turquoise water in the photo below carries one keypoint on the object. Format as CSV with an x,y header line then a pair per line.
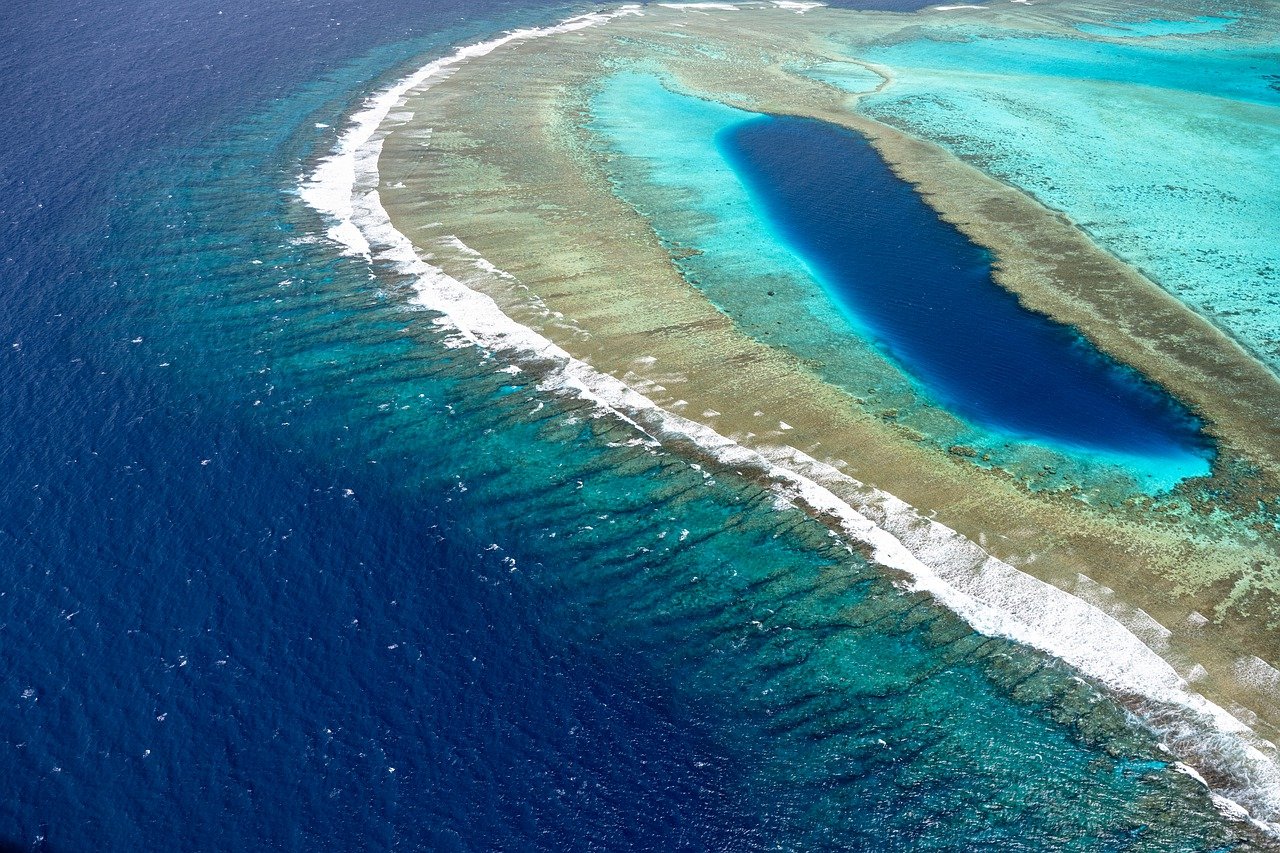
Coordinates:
x,y
852,78
1156,27
1162,149
683,182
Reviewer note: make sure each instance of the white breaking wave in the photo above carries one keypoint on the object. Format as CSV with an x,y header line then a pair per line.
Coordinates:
x,y
700,7
330,188
993,597
796,5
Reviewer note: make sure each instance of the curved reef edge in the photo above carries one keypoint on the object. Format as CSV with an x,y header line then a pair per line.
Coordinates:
x,y
485,176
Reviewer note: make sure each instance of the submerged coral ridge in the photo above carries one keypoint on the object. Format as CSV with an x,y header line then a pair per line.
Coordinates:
x,y
584,194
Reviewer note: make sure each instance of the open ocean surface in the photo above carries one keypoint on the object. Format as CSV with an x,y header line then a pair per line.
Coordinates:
x,y
283,572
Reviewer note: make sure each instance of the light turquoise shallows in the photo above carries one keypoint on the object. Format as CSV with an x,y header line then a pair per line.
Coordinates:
x,y
1156,27
1163,149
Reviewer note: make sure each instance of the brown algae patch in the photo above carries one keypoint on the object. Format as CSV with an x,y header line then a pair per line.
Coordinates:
x,y
496,165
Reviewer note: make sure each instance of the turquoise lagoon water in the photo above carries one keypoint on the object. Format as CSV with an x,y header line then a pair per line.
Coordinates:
x,y
1156,27
1162,149
814,245
855,79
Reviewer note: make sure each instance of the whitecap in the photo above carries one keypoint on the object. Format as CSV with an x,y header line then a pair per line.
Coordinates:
x,y
993,597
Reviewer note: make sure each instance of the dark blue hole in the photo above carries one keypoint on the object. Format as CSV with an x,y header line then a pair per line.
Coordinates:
x,y
924,292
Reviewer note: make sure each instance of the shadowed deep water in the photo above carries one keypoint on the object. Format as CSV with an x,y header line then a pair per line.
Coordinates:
x,y
281,572
921,289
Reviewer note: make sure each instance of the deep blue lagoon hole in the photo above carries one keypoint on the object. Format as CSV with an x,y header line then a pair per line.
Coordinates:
x,y
924,292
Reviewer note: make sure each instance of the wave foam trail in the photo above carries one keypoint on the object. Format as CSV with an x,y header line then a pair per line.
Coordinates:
x,y
329,189
993,597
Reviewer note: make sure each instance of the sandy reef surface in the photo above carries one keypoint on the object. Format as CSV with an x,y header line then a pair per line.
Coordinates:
x,y
497,173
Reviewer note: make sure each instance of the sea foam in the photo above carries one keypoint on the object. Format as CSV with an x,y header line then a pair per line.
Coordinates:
x,y
993,597
698,7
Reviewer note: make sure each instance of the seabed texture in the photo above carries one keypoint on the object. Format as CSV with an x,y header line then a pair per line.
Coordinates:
x,y
516,175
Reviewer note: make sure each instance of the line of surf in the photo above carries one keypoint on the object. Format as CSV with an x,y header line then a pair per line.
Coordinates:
x,y
993,597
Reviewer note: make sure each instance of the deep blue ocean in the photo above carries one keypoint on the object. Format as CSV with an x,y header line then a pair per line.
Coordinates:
x,y
282,572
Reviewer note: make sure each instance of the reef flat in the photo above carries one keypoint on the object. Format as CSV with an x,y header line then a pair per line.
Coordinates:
x,y
505,177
